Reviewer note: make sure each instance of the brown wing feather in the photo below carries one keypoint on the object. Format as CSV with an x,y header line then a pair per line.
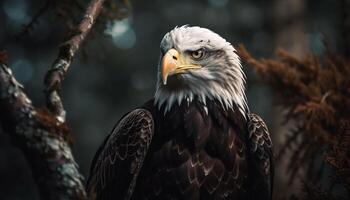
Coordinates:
x,y
117,163
261,158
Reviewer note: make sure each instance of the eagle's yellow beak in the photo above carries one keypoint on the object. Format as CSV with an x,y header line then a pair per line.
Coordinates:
x,y
174,63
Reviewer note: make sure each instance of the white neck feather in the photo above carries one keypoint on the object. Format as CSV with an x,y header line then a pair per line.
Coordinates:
x,y
227,96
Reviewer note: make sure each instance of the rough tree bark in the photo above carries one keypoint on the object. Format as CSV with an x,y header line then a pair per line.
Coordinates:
x,y
41,133
55,76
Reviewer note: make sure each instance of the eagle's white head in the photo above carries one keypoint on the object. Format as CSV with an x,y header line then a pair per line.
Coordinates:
x,y
197,63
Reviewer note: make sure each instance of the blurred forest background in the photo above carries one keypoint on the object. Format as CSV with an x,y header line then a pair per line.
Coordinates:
x,y
116,68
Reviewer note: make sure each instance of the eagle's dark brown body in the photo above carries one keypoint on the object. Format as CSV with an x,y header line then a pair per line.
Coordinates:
x,y
185,154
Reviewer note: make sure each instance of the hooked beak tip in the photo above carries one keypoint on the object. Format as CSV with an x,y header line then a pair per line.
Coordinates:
x,y
164,81
169,64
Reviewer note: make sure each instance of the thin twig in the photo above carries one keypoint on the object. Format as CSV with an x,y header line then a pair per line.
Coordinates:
x,y
35,20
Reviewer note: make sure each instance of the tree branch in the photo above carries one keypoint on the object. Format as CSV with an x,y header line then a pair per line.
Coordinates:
x,y
44,142
55,76
41,133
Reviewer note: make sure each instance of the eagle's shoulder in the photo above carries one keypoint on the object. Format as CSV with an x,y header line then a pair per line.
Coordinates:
x,y
261,157
259,135
121,154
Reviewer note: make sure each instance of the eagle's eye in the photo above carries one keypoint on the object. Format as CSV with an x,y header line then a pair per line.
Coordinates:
x,y
199,54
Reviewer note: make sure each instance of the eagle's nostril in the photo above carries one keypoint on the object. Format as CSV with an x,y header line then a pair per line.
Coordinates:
x,y
174,57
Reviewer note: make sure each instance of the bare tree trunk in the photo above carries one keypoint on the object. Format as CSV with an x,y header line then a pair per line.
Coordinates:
x,y
41,133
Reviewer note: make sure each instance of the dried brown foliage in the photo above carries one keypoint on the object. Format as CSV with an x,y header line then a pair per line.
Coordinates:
x,y
315,92
116,9
3,57
48,122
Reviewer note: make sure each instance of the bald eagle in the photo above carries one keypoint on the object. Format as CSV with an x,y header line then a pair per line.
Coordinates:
x,y
196,139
